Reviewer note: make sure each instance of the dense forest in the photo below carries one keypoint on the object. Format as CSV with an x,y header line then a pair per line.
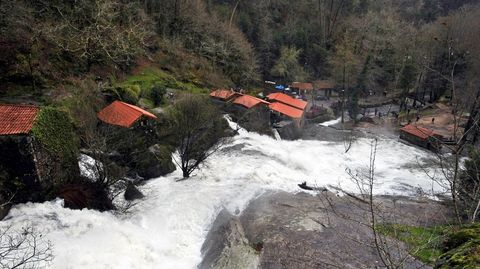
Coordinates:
x,y
368,45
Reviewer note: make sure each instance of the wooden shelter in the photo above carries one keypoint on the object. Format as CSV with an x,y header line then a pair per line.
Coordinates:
x,y
324,87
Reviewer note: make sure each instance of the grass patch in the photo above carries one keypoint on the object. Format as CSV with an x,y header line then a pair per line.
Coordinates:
x,y
424,243
152,77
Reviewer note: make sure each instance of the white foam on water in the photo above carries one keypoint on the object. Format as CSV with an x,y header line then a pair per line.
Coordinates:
x,y
330,122
276,134
168,227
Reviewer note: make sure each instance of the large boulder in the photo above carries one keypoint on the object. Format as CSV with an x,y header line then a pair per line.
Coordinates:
x,y
132,192
306,231
155,162
4,210
226,245
85,194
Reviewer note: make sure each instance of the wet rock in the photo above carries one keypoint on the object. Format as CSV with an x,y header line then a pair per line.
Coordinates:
x,y
4,210
85,194
132,193
312,231
289,131
155,162
226,245
301,230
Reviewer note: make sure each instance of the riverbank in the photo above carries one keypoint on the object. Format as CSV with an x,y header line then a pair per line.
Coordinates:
x,y
168,227
305,230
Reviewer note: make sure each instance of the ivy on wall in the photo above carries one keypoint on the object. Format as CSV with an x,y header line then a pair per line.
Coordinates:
x,y
54,130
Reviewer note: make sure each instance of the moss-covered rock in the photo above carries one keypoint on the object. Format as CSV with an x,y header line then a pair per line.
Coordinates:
x,y
462,248
462,236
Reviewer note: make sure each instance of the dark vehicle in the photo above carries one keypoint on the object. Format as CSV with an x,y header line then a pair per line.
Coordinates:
x,y
321,98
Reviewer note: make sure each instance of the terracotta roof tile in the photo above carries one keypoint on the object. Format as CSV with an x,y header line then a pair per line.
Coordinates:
x,y
302,86
420,132
223,94
288,100
17,119
123,114
286,110
249,101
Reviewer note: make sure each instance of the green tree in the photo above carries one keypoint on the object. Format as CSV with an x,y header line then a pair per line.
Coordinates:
x,y
157,93
287,66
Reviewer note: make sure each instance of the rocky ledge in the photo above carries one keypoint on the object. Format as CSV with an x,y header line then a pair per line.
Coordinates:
x,y
283,230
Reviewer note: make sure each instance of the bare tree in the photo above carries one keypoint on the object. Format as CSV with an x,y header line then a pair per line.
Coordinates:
x,y
374,214
26,248
200,131
456,42
98,31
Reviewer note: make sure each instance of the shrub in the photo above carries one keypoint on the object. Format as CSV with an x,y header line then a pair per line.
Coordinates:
x,y
130,93
156,94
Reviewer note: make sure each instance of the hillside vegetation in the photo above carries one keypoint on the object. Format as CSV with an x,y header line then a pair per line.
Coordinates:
x,y
364,45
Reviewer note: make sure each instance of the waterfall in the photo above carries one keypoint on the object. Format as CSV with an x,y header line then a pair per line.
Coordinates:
x,y
276,134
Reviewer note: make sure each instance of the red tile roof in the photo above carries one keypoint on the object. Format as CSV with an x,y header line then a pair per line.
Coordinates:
x,y
286,110
224,95
420,132
123,114
249,101
302,86
17,119
288,100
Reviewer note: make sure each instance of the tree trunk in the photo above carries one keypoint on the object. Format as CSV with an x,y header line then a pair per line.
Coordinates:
x,y
471,137
233,14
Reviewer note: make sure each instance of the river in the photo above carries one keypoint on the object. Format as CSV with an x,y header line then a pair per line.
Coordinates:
x,y
168,227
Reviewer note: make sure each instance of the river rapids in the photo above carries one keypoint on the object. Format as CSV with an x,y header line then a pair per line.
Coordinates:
x,y
167,228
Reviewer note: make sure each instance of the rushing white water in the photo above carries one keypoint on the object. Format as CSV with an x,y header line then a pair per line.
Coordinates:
x,y
167,228
276,134
330,122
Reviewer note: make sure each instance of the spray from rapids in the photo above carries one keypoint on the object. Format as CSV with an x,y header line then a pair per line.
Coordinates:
x,y
167,228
